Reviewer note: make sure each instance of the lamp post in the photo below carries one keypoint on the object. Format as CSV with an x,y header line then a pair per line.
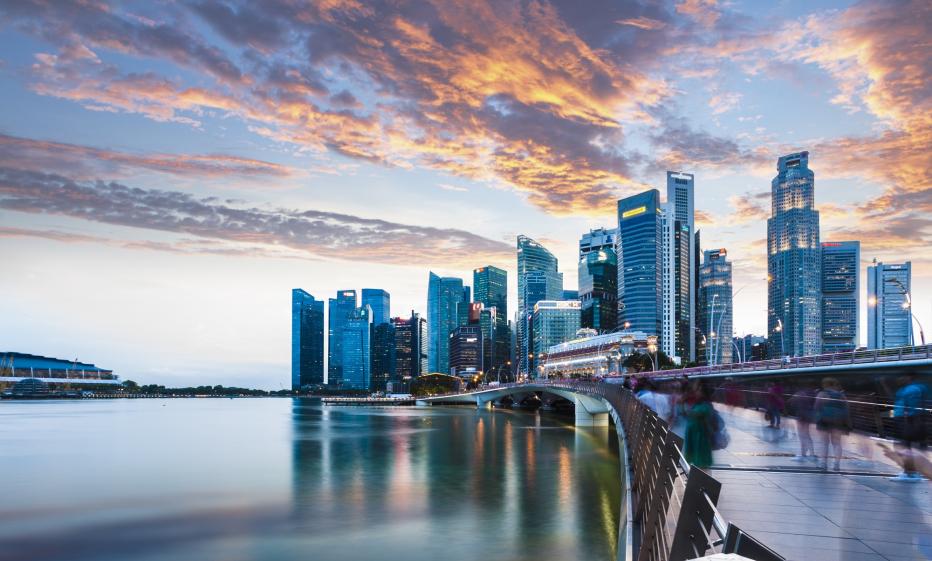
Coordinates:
x,y
779,329
737,350
908,305
710,359
651,352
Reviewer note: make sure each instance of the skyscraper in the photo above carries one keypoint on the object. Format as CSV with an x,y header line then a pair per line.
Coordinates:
x,y
681,196
640,268
889,318
715,308
443,296
356,349
555,322
794,266
380,302
338,311
538,279
466,351
410,346
668,331
307,340
598,280
841,262
383,356
490,288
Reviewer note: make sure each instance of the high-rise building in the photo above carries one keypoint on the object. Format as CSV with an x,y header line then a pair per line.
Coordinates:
x,y
555,322
538,279
841,263
383,356
490,288
339,309
443,296
889,318
570,294
750,348
715,308
356,349
380,302
681,197
410,347
640,266
668,331
598,280
307,340
794,266
466,351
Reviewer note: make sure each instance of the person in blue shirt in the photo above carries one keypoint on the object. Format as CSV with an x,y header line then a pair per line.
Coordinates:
x,y
909,410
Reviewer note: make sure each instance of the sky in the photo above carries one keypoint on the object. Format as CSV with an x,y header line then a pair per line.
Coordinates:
x,y
169,170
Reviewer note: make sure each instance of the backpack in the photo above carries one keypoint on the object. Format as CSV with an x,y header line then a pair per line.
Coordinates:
x,y
719,436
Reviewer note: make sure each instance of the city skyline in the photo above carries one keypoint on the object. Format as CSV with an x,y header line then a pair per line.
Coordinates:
x,y
168,176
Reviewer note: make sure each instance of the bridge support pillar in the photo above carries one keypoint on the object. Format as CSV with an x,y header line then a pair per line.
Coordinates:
x,y
483,403
586,419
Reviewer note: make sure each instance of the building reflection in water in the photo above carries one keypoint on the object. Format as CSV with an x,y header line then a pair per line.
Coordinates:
x,y
451,483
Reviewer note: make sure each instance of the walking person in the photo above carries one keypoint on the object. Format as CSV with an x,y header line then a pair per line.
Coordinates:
x,y
833,418
909,414
775,404
697,446
802,405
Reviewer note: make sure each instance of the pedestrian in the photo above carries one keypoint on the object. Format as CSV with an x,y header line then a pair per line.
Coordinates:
x,y
658,402
909,415
697,446
833,418
802,405
775,403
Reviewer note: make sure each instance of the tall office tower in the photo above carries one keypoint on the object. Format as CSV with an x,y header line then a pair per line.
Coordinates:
x,y
339,309
443,296
357,349
466,351
794,266
570,294
640,263
383,356
715,308
410,347
598,280
889,318
555,322
490,288
668,332
307,340
841,289
538,279
681,195
380,302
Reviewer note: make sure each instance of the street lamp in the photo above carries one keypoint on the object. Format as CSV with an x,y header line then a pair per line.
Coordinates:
x,y
710,359
779,329
908,305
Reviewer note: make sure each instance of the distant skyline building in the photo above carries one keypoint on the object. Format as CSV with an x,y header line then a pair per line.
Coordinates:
x,y
682,200
538,279
554,322
841,296
668,332
356,349
794,265
751,348
640,268
490,288
716,310
598,280
466,351
410,346
338,310
444,294
382,354
889,318
570,294
380,303
307,340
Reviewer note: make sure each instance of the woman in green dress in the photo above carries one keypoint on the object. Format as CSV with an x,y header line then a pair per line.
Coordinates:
x,y
698,441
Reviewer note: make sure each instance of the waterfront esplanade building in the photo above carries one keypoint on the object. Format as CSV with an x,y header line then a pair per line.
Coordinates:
x,y
15,367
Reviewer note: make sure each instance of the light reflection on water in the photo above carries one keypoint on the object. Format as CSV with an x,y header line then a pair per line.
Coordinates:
x,y
280,479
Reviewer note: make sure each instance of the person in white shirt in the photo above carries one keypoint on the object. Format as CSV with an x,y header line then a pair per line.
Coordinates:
x,y
657,401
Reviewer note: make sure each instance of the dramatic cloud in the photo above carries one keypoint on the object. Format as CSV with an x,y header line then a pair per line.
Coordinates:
x,y
749,207
332,235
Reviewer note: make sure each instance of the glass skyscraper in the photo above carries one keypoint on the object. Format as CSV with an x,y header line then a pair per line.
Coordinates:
x,y
598,280
466,351
356,349
715,308
554,322
382,352
490,288
640,268
380,302
840,296
338,311
443,296
410,347
794,264
889,319
681,199
538,279
307,340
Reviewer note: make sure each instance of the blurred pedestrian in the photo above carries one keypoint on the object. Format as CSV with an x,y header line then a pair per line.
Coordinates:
x,y
802,405
657,401
697,446
909,414
833,418
775,403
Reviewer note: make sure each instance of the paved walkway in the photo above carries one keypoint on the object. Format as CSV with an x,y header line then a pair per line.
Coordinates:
x,y
809,515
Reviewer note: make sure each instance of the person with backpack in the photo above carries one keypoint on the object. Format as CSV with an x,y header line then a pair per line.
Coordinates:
x,y
833,418
909,413
700,425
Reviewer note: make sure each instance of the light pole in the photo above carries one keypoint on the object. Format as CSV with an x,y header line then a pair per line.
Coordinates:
x,y
710,359
737,350
908,305
779,329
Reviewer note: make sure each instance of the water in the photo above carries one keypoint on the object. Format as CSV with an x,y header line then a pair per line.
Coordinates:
x,y
276,479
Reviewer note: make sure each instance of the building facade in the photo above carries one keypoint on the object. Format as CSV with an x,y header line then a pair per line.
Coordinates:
x,y
682,200
538,279
467,351
794,265
554,322
444,294
383,356
356,350
307,340
668,332
841,289
640,266
889,318
338,310
379,301
410,347
598,280
751,348
715,308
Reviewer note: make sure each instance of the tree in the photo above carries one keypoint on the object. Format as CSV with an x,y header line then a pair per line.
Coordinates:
x,y
643,362
130,386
